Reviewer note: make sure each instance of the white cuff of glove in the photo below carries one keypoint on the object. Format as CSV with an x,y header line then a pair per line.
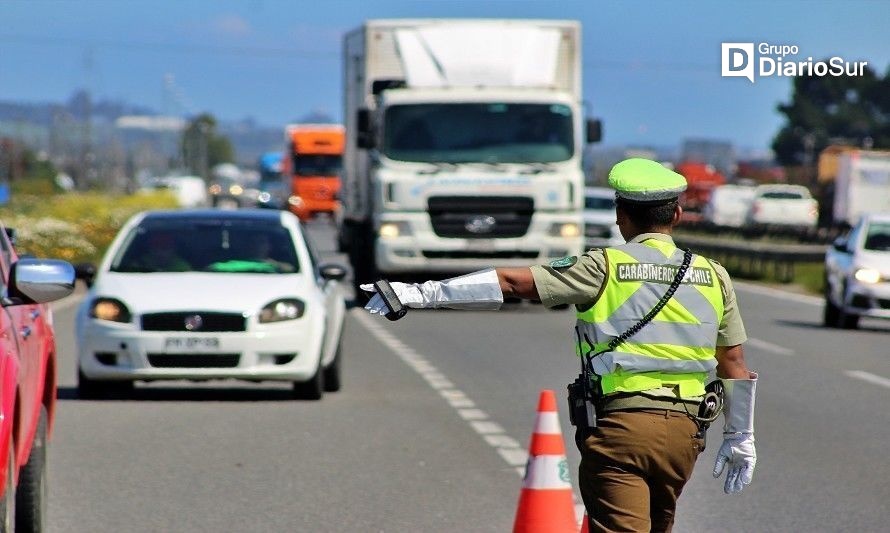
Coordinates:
x,y
476,291
737,451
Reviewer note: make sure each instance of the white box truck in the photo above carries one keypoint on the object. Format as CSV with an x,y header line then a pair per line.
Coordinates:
x,y
862,185
463,145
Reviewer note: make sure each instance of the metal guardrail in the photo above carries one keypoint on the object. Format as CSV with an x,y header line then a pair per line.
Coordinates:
x,y
755,258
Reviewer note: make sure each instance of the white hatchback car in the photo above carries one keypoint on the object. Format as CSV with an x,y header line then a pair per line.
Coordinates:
x,y
211,294
857,273
600,229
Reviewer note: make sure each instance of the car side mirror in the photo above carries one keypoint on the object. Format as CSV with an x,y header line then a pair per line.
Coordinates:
x,y
594,132
840,245
332,271
39,281
85,272
364,129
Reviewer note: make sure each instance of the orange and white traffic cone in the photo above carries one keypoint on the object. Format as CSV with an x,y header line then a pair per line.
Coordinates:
x,y
585,524
546,503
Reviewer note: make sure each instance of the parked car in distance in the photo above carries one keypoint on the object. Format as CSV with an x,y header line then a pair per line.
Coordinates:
x,y
27,382
728,205
783,205
211,294
857,273
600,229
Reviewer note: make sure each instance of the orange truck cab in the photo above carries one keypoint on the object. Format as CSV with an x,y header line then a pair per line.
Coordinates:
x,y
312,166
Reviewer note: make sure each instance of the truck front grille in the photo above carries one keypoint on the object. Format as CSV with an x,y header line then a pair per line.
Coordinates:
x,y
469,254
480,217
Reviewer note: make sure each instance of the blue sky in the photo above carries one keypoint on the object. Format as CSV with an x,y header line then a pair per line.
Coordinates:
x,y
652,68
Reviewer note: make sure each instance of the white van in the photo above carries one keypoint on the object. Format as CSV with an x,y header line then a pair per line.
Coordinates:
x,y
728,205
190,191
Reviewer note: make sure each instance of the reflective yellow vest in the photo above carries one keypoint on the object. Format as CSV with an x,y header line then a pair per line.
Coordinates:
x,y
677,347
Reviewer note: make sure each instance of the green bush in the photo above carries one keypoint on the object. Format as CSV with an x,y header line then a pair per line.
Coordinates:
x,y
76,227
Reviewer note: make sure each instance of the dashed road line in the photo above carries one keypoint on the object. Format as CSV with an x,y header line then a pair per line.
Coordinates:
x,y
779,293
491,432
869,377
769,347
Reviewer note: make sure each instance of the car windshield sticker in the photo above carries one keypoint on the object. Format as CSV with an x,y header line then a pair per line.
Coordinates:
x,y
662,273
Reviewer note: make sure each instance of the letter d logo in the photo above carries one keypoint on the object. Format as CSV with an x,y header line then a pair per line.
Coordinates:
x,y
737,60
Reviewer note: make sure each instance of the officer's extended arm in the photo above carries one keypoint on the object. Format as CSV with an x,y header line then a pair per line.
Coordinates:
x,y
737,452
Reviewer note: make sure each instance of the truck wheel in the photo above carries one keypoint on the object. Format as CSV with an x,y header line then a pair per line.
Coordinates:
x,y
361,257
31,493
7,504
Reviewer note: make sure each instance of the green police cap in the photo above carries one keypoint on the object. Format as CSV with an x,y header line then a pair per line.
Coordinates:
x,y
642,180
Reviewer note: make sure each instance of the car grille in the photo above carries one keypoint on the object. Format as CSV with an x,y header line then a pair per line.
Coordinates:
x,y
480,217
186,360
209,322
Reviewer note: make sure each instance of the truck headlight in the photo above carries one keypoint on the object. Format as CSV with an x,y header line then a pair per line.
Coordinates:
x,y
867,275
565,229
281,310
390,230
109,309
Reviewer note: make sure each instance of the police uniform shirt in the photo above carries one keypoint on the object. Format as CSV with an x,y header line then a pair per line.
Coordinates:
x,y
579,281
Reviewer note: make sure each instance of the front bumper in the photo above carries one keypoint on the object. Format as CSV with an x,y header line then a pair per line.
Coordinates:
x,y
868,299
278,351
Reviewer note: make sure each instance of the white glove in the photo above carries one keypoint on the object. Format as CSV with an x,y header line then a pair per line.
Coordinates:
x,y
737,450
479,290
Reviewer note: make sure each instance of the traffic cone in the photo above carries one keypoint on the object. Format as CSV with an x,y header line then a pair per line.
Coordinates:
x,y
546,503
585,525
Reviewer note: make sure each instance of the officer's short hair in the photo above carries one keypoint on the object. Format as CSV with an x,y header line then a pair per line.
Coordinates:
x,y
648,215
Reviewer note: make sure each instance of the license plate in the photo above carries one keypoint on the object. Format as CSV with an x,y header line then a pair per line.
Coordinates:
x,y
480,245
191,344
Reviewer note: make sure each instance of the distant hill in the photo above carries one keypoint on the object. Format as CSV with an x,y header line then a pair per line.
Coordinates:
x,y
32,123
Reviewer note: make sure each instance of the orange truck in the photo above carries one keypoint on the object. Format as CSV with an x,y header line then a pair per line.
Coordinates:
x,y
311,168
701,179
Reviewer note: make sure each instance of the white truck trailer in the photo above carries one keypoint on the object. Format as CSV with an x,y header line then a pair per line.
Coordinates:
x,y
862,185
463,145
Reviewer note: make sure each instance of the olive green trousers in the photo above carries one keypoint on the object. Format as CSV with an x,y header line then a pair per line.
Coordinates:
x,y
634,466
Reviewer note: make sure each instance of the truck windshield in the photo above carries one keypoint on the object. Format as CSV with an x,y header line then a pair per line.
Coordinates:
x,y
479,133
317,165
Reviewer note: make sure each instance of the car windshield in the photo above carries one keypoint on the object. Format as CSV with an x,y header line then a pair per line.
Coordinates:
x,y
782,195
878,237
207,245
479,133
599,203
317,165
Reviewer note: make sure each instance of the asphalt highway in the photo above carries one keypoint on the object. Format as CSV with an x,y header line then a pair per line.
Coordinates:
x,y
431,429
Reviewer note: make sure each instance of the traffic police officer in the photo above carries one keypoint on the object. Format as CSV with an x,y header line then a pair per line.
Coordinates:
x,y
641,452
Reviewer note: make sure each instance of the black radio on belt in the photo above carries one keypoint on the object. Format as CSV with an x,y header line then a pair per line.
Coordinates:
x,y
391,299
582,410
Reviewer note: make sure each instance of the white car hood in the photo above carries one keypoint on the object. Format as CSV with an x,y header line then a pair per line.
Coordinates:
x,y
241,293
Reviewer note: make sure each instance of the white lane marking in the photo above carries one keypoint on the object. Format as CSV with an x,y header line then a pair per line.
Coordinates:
x,y
778,293
491,432
869,377
770,347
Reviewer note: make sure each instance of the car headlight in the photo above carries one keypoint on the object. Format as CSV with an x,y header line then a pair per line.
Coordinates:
x,y
867,275
389,230
280,310
235,190
109,309
565,229
295,201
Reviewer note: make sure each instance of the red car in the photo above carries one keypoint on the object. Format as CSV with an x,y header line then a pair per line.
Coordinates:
x,y
27,381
